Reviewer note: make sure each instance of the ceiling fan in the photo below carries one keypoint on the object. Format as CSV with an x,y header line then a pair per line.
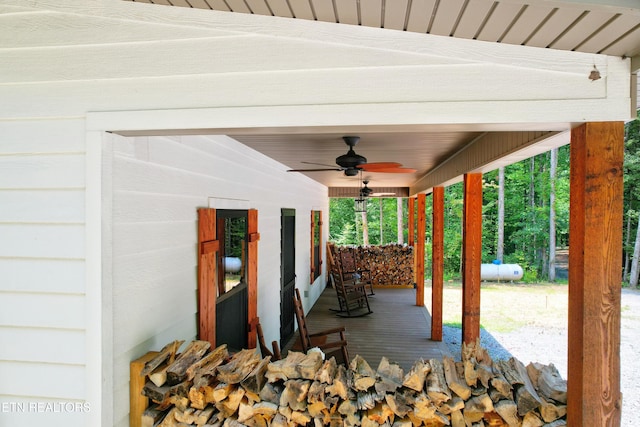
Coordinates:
x,y
352,163
365,191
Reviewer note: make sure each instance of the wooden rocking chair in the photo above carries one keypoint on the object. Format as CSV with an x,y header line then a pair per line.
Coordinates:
x,y
352,272
319,339
264,350
352,295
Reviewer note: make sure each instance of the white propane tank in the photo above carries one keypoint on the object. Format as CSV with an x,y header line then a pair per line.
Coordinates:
x,y
497,272
232,264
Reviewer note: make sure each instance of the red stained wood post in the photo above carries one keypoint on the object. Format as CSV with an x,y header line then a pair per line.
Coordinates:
x,y
437,263
595,256
471,256
419,248
207,275
252,276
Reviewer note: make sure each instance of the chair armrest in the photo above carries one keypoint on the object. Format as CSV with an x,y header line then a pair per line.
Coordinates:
x,y
328,332
335,344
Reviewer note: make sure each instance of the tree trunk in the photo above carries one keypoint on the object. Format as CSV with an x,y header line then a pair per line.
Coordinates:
x,y
400,215
633,280
552,215
500,248
627,240
365,229
381,222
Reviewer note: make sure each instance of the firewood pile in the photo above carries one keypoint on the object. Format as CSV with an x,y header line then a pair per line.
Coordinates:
x,y
212,388
390,264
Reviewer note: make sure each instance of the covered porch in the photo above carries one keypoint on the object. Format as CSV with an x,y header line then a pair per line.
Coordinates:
x,y
397,329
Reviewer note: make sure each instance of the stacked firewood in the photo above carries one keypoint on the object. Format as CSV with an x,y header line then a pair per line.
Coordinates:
x,y
390,264
213,388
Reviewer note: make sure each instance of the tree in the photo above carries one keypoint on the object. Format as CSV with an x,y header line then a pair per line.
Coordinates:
x,y
552,215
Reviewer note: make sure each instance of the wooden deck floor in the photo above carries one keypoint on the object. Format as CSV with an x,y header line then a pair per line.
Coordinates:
x,y
397,328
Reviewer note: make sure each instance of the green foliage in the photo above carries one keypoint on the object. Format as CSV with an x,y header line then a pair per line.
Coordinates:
x,y
526,225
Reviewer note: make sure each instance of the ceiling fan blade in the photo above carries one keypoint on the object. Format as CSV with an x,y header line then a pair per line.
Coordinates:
x,y
393,170
314,170
318,164
379,165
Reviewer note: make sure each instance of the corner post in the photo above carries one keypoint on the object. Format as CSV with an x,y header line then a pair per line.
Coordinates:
x,y
595,256
437,263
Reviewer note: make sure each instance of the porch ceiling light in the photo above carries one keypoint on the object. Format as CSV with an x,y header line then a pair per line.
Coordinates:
x,y
361,204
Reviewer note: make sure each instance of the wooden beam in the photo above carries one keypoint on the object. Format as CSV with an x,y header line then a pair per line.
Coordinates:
x,y
471,256
207,275
595,256
252,277
437,264
419,248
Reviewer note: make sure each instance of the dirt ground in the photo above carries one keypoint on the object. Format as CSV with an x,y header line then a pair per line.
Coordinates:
x,y
530,323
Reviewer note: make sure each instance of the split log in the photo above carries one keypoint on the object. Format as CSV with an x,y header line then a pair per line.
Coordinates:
x,y
340,386
208,364
456,403
239,367
151,416
366,400
551,412
308,367
267,409
508,410
271,393
230,405
177,371
285,369
531,419
363,376
398,404
255,381
527,398
457,419
167,352
423,408
436,384
327,372
381,414
455,384
548,381
294,394
415,378
476,407
389,376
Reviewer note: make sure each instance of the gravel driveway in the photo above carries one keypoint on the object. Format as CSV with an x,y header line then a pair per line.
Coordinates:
x,y
549,345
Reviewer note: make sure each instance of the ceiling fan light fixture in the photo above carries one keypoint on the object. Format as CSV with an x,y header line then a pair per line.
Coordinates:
x,y
351,159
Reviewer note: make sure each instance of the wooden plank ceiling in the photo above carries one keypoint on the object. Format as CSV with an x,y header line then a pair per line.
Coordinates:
x,y
610,27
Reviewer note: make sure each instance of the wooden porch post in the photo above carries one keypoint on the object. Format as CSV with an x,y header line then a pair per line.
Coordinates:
x,y
208,247
252,276
437,263
419,248
595,256
471,256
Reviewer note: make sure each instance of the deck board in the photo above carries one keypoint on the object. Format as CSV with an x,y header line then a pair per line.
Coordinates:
x,y
397,328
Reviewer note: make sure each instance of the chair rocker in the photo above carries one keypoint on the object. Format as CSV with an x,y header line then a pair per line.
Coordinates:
x,y
352,296
319,339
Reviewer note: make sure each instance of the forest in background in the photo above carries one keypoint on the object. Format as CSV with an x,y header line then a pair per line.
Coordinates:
x,y
535,223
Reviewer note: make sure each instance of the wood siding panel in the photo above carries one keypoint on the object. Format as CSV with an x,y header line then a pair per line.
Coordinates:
x,y
552,28
446,17
42,275
347,12
42,136
42,171
420,9
592,21
301,9
43,345
42,311
64,29
42,241
58,206
324,10
526,25
25,379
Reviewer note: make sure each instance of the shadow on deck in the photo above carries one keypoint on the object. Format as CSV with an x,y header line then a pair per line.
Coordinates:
x,y
397,328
